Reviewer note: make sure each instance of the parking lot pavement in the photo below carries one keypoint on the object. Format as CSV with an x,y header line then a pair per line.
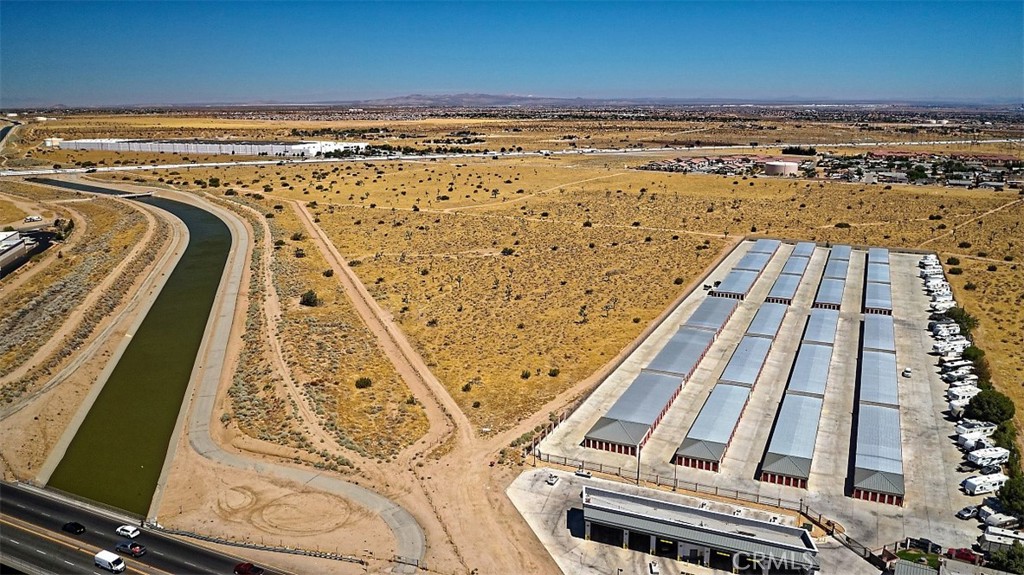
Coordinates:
x,y
554,513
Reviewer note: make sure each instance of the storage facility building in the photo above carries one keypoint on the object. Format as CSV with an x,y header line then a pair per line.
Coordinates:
x,y
767,320
878,459
307,149
821,326
747,361
629,422
789,455
711,433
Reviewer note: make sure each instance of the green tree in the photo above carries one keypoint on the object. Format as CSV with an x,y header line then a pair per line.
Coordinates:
x,y
966,321
1011,560
973,353
1011,495
991,405
309,299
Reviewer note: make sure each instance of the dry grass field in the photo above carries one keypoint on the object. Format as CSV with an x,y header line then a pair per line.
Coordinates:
x,y
327,349
487,263
473,133
9,213
56,298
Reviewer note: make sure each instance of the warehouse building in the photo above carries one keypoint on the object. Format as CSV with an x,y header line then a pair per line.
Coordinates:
x,y
738,282
712,432
810,371
767,320
14,250
708,538
784,289
878,460
632,419
878,453
789,455
747,361
628,424
878,287
821,326
305,149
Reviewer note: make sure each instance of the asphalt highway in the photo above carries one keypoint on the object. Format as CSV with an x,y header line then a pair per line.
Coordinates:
x,y
31,539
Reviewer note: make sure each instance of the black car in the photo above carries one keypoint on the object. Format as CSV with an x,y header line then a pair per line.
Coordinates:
x,y
926,545
990,469
74,527
132,548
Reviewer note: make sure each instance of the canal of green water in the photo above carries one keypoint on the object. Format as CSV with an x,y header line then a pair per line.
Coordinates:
x,y
118,452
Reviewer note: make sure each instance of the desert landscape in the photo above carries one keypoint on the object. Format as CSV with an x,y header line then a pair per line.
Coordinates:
x,y
413,324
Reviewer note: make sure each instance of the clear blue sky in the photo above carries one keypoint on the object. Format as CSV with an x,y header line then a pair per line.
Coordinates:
x,y
108,53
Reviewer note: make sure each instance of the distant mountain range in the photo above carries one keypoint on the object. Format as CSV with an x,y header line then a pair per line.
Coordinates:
x,y
467,100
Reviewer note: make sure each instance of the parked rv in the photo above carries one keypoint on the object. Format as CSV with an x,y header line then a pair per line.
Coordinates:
x,y
955,364
989,456
1001,520
972,443
962,392
981,484
974,425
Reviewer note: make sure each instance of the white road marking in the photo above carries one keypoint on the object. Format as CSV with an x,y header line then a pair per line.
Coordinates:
x,y
40,551
68,562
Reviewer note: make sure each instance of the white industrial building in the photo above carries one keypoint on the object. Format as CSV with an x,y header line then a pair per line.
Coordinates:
x,y
13,251
307,149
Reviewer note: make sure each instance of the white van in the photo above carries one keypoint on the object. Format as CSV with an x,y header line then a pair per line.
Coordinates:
x,y
109,561
981,484
989,456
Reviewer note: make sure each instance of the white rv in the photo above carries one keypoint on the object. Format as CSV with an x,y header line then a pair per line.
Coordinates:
x,y
967,380
971,442
989,456
981,484
962,392
973,426
953,364
956,407
946,329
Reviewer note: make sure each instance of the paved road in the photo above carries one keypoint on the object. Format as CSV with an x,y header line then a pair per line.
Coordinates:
x,y
30,535
399,157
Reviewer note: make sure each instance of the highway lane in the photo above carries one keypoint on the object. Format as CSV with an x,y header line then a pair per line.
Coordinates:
x,y
35,518
427,157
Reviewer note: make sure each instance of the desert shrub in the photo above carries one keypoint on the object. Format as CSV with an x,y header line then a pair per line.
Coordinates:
x,y
298,237
468,387
279,243
636,320
842,225
363,383
973,353
525,374
678,281
992,267
953,261
328,273
553,372
1007,258
587,224
476,405
300,253
963,245
970,286
955,271
507,251
309,299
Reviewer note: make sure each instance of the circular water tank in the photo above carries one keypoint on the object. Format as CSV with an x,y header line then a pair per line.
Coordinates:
x,y
781,168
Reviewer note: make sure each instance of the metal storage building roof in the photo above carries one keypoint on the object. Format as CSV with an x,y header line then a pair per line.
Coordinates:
x,y
879,333
737,282
878,255
878,464
753,262
768,319
803,249
840,252
878,296
837,269
810,372
634,413
878,383
713,313
792,444
715,424
785,287
778,543
878,273
682,353
765,246
821,326
795,265
830,291
747,361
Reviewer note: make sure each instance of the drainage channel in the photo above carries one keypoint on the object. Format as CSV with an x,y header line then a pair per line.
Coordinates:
x,y
118,452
